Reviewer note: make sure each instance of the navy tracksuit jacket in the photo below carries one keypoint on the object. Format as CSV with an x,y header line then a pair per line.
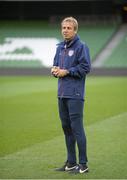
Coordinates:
x,y
73,56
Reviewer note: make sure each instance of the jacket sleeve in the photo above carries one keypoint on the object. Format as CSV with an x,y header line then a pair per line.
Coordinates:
x,y
55,62
84,65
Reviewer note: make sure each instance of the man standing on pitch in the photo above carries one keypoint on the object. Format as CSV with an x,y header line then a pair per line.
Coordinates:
x,y
71,64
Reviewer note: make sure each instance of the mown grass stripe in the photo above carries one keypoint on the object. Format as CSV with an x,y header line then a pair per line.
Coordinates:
x,y
106,150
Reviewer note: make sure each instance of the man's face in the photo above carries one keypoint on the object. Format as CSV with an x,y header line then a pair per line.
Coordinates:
x,y
67,30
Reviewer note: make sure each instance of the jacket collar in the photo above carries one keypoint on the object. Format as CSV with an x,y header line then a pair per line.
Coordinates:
x,y
65,44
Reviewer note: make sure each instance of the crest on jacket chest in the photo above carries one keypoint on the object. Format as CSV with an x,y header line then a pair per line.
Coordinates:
x,y
67,52
70,52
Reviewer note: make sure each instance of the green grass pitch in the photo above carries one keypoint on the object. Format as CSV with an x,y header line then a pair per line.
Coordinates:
x,y
31,138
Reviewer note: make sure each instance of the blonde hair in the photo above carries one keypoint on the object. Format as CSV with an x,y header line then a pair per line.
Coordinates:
x,y
73,20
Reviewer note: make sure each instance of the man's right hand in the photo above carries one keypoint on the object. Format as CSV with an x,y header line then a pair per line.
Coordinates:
x,y
54,70
57,72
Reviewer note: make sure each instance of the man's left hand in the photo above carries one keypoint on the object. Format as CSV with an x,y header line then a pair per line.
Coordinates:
x,y
62,72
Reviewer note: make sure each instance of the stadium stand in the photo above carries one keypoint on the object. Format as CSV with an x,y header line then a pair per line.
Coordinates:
x,y
30,34
97,36
118,57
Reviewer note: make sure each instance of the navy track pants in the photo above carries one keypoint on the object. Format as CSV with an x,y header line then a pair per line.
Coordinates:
x,y
71,115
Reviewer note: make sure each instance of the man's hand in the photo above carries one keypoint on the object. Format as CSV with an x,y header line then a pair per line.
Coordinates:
x,y
54,69
62,72
57,72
